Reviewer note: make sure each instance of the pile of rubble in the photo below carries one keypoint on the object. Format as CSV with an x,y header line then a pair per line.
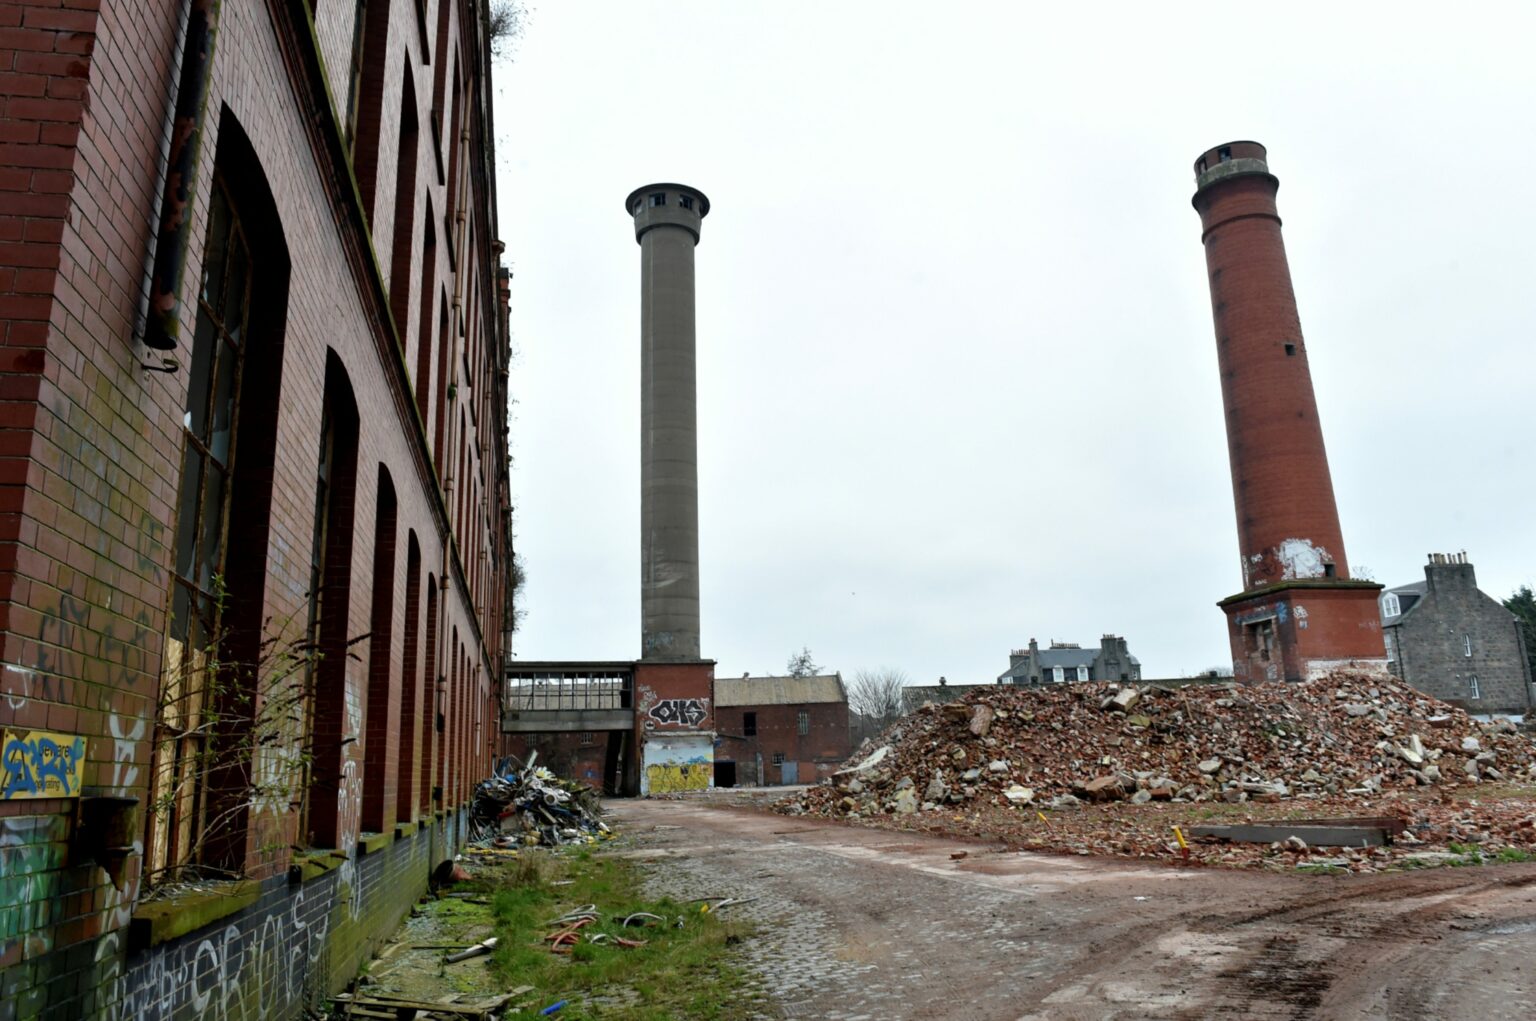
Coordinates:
x,y
1345,734
528,805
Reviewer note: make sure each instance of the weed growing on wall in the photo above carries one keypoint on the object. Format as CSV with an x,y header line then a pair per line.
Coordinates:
x,y
234,742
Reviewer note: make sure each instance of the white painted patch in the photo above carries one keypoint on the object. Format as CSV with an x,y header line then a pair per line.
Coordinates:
x,y
1321,667
1300,558
17,685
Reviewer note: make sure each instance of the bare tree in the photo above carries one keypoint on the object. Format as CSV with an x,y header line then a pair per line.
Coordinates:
x,y
801,664
877,695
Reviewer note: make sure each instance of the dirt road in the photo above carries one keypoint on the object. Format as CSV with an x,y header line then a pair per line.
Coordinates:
x,y
858,924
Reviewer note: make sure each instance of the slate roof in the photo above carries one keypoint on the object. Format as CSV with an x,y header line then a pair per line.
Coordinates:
x,y
740,691
1408,596
1066,658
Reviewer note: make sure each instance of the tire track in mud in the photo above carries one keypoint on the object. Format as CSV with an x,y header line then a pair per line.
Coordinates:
x,y
881,928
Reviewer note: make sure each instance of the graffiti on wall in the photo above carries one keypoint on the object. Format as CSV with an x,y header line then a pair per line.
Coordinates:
x,y
38,764
673,777
127,737
678,712
272,954
32,857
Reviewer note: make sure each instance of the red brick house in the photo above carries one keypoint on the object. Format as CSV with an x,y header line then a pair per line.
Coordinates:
x,y
253,387
779,730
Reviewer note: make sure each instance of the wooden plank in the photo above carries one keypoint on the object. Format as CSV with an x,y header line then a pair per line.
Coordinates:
x,y
398,1004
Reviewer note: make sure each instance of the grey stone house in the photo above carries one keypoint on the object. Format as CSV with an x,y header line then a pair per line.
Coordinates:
x,y
1450,640
1063,662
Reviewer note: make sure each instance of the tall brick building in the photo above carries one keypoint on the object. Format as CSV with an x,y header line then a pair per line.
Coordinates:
x,y
253,357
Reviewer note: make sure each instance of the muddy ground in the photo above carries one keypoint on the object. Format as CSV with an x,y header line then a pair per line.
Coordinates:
x,y
857,924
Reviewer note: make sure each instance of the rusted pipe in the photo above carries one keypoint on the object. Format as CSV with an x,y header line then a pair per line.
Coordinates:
x,y
163,326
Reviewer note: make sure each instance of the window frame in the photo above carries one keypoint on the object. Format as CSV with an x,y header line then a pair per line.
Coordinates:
x,y
178,786
803,723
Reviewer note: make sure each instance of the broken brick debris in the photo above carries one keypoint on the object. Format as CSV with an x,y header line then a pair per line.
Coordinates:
x,y
1340,743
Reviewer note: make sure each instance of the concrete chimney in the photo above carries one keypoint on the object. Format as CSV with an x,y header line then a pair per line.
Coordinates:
x,y
667,221
1299,613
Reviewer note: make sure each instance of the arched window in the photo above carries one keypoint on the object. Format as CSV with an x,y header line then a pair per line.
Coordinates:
x,y
431,718
205,712
410,683
378,784
188,687
333,803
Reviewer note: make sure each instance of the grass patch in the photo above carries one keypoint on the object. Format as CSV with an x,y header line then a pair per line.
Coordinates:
x,y
681,972
1322,870
1516,854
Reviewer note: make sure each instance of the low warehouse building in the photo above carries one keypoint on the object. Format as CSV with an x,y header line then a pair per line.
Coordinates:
x,y
779,730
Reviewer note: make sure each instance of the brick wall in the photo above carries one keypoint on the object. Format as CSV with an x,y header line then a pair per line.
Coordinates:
x,y
1317,626
297,944
815,754
1432,642
91,439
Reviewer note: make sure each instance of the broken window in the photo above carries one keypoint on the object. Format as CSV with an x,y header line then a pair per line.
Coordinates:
x,y
1224,154
1259,638
208,437
1290,350
749,724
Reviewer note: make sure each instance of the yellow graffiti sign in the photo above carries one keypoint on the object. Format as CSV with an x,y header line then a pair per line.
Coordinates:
x,y
672,777
37,764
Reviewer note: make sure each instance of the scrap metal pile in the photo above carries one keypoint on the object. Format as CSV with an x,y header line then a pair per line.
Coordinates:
x,y
1343,738
528,805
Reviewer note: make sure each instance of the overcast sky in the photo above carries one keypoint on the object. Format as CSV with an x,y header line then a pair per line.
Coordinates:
x,y
957,375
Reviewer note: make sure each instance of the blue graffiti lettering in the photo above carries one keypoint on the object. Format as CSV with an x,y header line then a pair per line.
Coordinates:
x,y
41,767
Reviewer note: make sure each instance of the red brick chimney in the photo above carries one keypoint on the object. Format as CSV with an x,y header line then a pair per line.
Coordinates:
x,y
1299,612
